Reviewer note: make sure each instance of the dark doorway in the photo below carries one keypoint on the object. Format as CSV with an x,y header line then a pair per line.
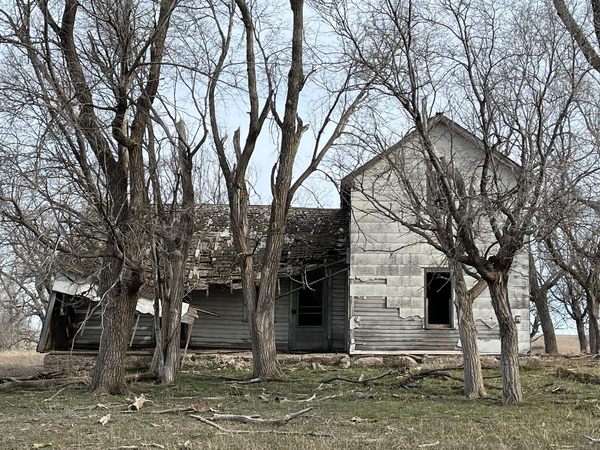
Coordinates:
x,y
309,318
438,291
310,306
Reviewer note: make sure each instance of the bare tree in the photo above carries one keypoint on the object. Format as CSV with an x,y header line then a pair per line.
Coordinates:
x,y
492,207
539,285
574,248
263,62
590,50
87,76
569,294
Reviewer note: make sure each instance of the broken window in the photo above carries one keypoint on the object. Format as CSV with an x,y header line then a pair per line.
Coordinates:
x,y
438,299
310,305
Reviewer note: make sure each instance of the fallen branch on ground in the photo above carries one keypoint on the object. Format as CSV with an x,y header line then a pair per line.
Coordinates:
x,y
440,373
57,378
256,420
37,376
49,399
228,431
141,376
194,407
360,380
582,377
44,383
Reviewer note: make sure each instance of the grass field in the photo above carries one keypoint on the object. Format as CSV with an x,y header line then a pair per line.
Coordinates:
x,y
377,415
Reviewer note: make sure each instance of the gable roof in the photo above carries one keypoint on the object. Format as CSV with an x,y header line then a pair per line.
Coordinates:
x,y
438,119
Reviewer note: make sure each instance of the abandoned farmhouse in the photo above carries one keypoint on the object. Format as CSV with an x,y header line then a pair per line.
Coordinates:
x,y
351,279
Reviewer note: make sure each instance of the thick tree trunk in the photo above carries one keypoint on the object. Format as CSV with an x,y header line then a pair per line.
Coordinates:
x,y
262,329
509,340
474,387
108,376
262,334
167,373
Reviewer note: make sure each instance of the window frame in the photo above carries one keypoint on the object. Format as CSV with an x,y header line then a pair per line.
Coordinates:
x,y
437,326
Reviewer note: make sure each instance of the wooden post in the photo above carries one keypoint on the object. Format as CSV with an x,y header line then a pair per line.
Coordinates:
x,y
134,330
187,343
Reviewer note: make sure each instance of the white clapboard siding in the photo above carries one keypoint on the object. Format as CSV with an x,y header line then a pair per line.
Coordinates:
x,y
231,328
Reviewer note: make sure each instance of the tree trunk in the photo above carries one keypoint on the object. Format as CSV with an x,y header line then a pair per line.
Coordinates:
x,y
170,282
474,387
539,297
168,371
583,341
170,260
264,353
509,340
108,376
540,300
592,308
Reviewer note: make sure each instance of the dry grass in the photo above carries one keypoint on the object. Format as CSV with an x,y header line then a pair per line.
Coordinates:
x,y
20,363
567,344
431,414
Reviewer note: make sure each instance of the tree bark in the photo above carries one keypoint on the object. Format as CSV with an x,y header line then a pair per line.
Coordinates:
x,y
108,376
540,300
176,239
583,341
594,332
474,387
539,296
509,340
262,334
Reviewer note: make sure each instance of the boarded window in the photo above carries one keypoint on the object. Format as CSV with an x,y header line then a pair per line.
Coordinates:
x,y
438,290
310,306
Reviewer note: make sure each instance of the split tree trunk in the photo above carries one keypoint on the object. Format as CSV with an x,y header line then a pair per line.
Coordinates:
x,y
509,340
108,376
474,387
175,231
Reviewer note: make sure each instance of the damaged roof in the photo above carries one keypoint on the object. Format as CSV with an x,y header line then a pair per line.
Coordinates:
x,y
314,238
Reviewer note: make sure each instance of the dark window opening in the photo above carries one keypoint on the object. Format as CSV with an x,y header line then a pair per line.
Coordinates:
x,y
439,299
310,306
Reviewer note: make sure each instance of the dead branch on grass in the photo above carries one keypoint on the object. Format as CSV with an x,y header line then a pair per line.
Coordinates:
x,y
197,407
360,380
228,431
422,374
44,383
582,377
256,420
141,377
